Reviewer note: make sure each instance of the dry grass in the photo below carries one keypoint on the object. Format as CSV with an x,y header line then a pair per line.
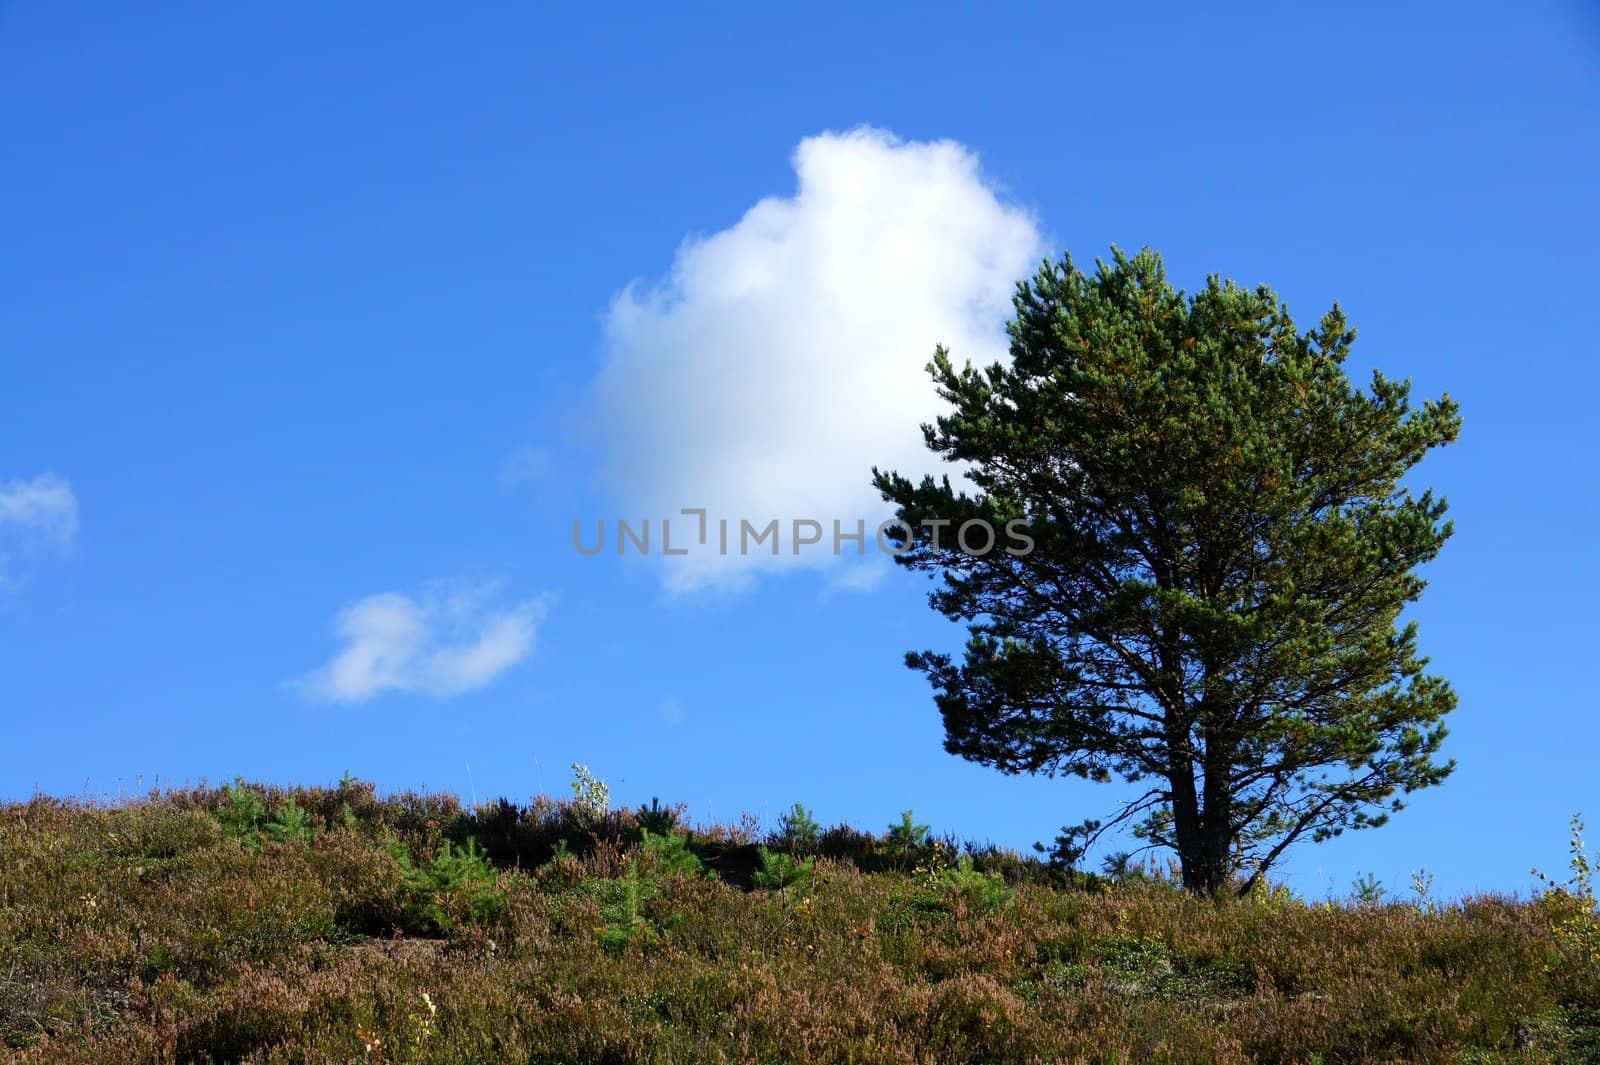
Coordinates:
x,y
160,930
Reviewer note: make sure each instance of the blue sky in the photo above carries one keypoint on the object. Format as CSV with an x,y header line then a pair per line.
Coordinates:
x,y
317,333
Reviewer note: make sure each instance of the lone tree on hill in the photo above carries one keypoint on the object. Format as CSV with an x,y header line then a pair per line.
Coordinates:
x,y
1222,548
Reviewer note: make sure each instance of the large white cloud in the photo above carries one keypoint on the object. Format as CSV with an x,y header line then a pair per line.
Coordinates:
x,y
40,514
445,642
783,357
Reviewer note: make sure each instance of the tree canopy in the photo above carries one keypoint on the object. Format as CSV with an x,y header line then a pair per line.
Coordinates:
x,y
1223,546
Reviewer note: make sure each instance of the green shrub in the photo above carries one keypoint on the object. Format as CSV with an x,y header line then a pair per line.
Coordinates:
x,y
798,832
457,885
779,871
289,822
941,889
670,854
906,840
1570,907
1422,888
622,904
241,813
985,892
590,796
1368,890
905,835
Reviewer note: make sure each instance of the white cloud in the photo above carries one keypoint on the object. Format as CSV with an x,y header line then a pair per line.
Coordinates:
x,y
445,642
37,515
783,357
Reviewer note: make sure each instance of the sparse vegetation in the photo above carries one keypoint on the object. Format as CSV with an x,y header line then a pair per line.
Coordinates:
x,y
183,928
1571,905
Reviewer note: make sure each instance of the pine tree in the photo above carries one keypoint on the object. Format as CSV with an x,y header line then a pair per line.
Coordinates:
x,y
1222,547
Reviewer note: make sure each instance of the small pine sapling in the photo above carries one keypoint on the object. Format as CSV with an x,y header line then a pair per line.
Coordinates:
x,y
798,831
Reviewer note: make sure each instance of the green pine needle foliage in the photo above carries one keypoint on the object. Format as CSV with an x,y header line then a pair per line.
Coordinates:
x,y
1222,534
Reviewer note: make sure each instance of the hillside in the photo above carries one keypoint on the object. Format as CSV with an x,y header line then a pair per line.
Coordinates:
x,y
260,924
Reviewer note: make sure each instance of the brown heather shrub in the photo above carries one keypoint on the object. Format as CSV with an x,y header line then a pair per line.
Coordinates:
x,y
144,932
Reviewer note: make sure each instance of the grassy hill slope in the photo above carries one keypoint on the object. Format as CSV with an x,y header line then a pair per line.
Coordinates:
x,y
330,925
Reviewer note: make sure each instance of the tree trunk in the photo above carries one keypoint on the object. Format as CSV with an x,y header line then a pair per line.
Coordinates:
x,y
1217,816
1216,848
1187,828
1203,851
1203,833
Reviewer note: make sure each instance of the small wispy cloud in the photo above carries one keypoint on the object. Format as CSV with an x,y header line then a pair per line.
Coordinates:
x,y
36,516
446,641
